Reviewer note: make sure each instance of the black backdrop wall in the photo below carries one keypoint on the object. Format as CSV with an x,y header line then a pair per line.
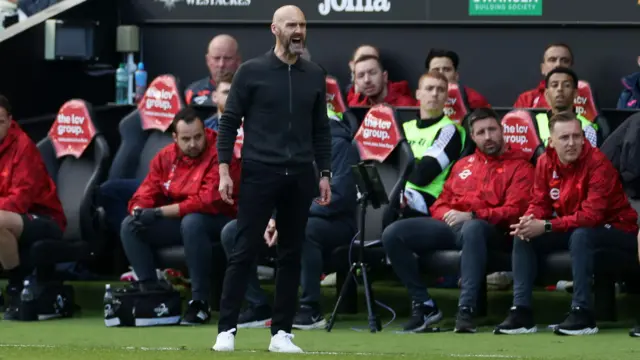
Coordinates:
x,y
499,61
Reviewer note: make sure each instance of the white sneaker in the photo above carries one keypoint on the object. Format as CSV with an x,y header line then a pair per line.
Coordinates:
x,y
225,341
281,342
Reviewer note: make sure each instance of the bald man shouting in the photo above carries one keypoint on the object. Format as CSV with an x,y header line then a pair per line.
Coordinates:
x,y
222,57
282,99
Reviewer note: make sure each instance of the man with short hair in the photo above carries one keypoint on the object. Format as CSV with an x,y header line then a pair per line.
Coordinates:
x,y
374,87
447,63
222,57
219,98
485,193
561,87
328,227
178,204
555,55
30,209
577,204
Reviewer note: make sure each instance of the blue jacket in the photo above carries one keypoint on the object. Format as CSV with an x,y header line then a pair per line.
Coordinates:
x,y
630,96
31,7
212,122
343,188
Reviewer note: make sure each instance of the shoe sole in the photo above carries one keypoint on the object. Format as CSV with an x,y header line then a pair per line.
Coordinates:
x,y
221,350
278,350
465,330
255,324
317,325
634,334
518,331
579,332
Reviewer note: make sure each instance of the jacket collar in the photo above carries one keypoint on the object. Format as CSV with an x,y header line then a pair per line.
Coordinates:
x,y
276,63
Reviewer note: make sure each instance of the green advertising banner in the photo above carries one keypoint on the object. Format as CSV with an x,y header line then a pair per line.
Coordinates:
x,y
505,7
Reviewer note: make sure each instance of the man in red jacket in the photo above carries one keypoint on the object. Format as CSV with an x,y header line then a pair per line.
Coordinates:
x,y
373,85
179,203
447,62
485,193
555,55
575,182
29,206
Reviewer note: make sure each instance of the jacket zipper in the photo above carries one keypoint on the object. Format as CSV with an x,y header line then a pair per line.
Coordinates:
x,y
290,113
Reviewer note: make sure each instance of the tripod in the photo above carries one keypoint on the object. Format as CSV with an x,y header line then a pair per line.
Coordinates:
x,y
372,192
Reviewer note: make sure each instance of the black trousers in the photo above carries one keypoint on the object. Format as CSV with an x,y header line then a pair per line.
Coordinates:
x,y
264,188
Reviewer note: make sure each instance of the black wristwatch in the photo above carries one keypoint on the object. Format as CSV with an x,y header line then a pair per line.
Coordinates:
x,y
547,226
473,215
325,173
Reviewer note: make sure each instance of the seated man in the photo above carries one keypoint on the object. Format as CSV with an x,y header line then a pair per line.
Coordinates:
x,y
114,195
555,55
179,203
446,62
222,57
29,206
436,142
486,192
561,88
362,50
373,85
327,228
579,184
219,98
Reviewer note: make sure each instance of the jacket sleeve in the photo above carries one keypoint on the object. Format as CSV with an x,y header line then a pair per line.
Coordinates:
x,y
26,185
208,199
476,100
149,193
343,187
442,204
517,197
541,205
321,130
523,101
237,104
594,208
445,150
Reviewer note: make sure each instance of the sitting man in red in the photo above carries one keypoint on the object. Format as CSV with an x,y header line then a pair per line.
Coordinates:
x,y
29,206
555,55
178,203
372,85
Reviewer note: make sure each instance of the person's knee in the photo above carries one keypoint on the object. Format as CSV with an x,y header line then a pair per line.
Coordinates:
x,y
581,238
390,235
228,235
476,230
193,227
126,228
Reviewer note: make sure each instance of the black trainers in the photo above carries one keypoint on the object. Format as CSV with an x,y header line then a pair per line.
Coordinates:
x,y
519,321
422,316
12,311
255,317
197,313
464,321
579,321
309,317
635,332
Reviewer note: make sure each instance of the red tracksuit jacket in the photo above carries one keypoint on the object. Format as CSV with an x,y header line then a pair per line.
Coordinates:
x,y
193,183
25,184
496,188
587,193
533,98
398,94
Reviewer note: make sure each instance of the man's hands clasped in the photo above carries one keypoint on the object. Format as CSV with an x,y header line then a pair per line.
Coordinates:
x,y
528,228
143,218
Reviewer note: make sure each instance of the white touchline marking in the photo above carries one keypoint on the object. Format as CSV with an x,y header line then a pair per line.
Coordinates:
x,y
489,356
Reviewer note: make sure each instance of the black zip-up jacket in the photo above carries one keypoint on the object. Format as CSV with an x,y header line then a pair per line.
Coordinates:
x,y
285,114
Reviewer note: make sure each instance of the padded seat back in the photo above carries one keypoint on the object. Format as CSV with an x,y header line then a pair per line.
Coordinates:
x,y
336,103
456,107
520,133
585,104
380,140
146,130
76,156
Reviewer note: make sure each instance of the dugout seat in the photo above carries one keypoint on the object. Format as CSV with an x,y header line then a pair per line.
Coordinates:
x,y
77,168
394,171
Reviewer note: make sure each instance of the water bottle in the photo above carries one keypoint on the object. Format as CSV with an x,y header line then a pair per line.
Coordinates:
x,y
111,306
141,81
28,305
108,295
122,85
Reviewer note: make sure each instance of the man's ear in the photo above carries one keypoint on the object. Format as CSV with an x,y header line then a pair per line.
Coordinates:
x,y
174,136
385,76
542,69
547,95
214,97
